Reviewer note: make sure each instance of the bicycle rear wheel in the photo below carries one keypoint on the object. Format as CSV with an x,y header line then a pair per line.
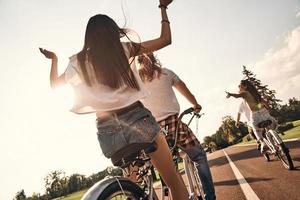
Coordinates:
x,y
282,152
129,191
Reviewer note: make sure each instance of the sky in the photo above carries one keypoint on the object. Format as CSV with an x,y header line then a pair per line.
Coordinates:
x,y
211,41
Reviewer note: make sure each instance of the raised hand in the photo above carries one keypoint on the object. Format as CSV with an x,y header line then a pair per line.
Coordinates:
x,y
197,108
228,95
48,54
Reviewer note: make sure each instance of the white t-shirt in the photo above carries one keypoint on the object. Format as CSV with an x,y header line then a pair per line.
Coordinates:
x,y
161,100
100,97
244,108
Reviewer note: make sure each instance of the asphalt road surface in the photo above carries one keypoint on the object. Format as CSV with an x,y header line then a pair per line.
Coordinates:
x,y
251,177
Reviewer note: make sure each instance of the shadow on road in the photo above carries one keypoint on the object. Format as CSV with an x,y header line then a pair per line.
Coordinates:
x,y
218,161
297,168
235,182
248,154
296,159
251,153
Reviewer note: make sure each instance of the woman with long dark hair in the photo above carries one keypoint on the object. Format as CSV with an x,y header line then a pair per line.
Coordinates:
x,y
258,106
106,82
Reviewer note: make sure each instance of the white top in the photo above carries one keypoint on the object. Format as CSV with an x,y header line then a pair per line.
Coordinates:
x,y
99,97
162,101
244,108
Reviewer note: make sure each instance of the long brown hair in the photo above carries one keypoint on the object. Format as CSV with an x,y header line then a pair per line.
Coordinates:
x,y
252,90
104,51
151,67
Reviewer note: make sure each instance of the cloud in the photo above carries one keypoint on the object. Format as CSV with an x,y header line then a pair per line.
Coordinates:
x,y
298,14
280,69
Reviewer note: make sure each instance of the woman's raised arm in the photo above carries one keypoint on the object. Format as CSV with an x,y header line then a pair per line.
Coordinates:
x,y
165,35
55,80
235,95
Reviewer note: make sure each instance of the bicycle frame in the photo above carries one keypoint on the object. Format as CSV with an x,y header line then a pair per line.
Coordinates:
x,y
144,173
193,178
268,139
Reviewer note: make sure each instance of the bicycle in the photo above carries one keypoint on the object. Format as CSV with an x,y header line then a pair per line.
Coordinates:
x,y
276,146
194,183
121,188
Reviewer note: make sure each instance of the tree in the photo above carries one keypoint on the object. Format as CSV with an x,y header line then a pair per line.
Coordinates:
x,y
212,146
56,184
267,94
115,171
38,196
220,138
207,140
20,195
229,129
76,182
291,110
226,135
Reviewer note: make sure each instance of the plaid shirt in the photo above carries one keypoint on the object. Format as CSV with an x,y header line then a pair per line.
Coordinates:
x,y
185,139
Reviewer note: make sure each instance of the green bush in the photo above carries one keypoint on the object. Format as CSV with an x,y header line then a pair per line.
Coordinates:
x,y
247,138
285,127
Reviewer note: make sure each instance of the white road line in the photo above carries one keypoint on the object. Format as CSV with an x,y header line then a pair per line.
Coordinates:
x,y
248,192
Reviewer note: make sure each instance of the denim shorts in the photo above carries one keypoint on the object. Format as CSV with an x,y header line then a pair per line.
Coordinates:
x,y
136,125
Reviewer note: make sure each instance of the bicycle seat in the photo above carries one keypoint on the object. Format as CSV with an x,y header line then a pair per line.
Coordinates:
x,y
265,124
126,155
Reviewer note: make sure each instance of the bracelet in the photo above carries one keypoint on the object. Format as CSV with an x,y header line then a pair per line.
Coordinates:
x,y
162,6
164,20
198,106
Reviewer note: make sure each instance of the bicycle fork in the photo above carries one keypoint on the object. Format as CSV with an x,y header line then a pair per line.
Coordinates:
x,y
270,136
194,184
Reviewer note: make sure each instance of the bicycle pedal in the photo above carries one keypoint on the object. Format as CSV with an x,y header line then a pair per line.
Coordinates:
x,y
166,192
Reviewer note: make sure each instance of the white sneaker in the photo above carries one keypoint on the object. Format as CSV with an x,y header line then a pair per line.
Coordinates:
x,y
262,148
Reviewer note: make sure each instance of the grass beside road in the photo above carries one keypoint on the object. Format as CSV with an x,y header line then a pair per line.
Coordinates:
x,y
73,196
294,132
290,134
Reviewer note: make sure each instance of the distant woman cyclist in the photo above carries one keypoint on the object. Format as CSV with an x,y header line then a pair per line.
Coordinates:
x,y
258,106
106,82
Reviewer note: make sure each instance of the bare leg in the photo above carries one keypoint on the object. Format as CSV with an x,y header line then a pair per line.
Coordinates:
x,y
163,162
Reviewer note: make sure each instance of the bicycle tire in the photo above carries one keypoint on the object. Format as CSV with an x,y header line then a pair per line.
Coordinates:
x,y
283,154
198,182
285,157
131,190
194,182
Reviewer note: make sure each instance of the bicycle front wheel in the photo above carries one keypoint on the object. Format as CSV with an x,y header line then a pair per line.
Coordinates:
x,y
194,183
282,152
122,190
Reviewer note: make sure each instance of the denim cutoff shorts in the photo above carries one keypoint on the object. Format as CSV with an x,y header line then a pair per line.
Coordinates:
x,y
136,125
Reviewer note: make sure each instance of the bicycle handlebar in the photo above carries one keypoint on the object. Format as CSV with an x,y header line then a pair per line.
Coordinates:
x,y
188,111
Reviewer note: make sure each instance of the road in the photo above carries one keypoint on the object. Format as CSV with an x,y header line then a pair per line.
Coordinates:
x,y
263,180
